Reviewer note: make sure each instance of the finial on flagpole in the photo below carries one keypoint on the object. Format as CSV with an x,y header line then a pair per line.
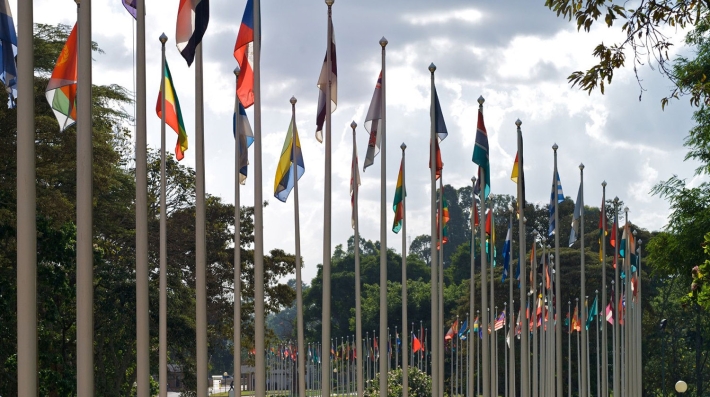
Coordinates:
x,y
236,71
293,100
604,184
626,209
554,147
581,166
481,99
616,200
383,42
163,38
473,179
329,2
518,123
353,125
403,146
432,68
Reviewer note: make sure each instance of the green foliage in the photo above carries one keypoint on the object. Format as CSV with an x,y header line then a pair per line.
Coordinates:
x,y
419,384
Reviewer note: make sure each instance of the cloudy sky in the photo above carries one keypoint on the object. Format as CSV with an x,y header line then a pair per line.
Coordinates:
x,y
515,53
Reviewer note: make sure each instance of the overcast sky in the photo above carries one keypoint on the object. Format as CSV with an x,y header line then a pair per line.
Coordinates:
x,y
517,54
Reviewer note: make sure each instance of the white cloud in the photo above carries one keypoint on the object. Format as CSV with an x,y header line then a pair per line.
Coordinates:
x,y
469,15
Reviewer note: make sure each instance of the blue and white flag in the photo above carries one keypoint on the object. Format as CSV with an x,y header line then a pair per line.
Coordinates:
x,y
507,253
8,51
575,219
560,198
246,138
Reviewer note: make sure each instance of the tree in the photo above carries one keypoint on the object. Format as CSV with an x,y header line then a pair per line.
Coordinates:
x,y
643,25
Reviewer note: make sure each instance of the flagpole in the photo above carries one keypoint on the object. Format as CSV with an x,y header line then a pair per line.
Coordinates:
x,y
84,211
533,315
434,255
440,265
237,321
558,290
358,315
596,295
583,281
494,344
627,302
524,352
505,353
472,286
639,317
162,327
383,228
259,334
484,279
615,349
405,367
26,207
579,371
569,350
605,350
511,368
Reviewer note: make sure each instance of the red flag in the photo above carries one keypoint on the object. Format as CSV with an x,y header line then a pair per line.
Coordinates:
x,y
416,345
439,163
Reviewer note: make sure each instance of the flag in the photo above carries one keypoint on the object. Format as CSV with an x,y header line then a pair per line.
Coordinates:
x,y
507,252
624,237
575,217
373,121
576,326
463,330
481,152
452,331
354,178
439,124
614,228
566,323
622,308
445,222
244,54
500,321
285,171
173,114
246,138
131,7
192,19
323,85
556,185
398,204
593,312
610,313
439,163
8,47
416,344
602,228
61,89
491,231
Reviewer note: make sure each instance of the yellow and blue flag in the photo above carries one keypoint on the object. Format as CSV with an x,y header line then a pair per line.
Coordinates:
x,y
289,168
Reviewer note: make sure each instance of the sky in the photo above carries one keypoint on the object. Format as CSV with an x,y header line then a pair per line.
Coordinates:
x,y
516,54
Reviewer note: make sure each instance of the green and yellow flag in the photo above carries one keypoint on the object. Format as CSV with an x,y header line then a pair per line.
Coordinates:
x,y
173,114
398,205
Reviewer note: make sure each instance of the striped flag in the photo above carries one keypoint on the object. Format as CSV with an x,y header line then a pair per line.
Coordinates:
x,y
192,19
444,221
517,175
285,178
507,252
61,89
246,138
323,85
439,163
441,134
244,54
481,152
173,115
372,124
8,50
398,205
556,185
500,321
452,331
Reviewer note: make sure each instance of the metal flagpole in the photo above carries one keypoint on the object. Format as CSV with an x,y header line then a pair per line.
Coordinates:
x,y
142,293
84,211
472,287
627,300
615,348
27,208
405,367
326,317
569,350
511,347
260,370
484,278
383,228
533,315
358,314
478,360
579,370
583,285
639,357
299,285
586,345
596,320
494,339
524,330
505,353
163,298
434,351
237,255
604,348
440,265
558,289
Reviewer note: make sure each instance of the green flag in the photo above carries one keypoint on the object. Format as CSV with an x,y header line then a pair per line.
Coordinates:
x,y
593,311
